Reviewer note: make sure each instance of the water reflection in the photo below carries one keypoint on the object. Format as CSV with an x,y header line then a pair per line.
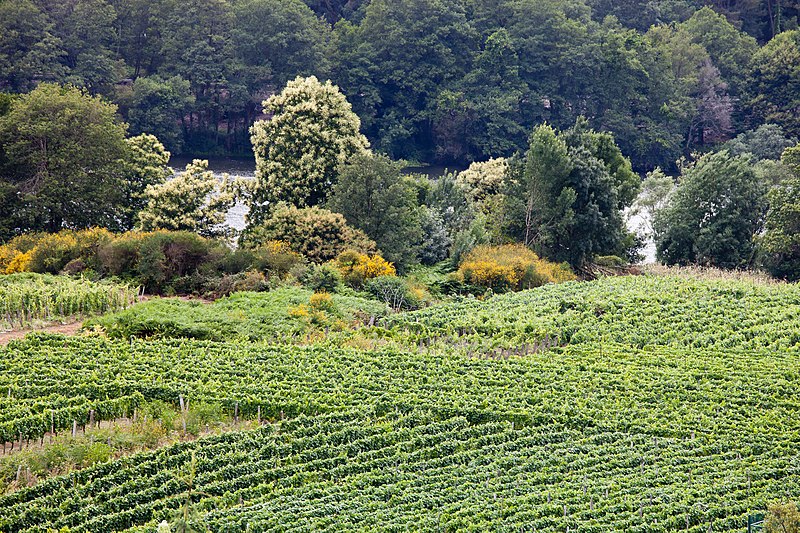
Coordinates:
x,y
235,166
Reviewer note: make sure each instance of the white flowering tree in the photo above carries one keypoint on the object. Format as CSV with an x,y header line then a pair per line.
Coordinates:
x,y
483,182
194,200
311,131
146,165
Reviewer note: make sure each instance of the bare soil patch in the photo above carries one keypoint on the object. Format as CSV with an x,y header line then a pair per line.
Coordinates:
x,y
70,328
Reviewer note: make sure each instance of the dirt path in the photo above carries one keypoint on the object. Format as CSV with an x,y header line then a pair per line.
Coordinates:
x,y
69,328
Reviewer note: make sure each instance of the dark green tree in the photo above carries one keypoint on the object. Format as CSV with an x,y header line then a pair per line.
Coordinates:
x,y
730,49
768,141
482,116
278,40
335,10
780,243
567,195
394,64
158,106
29,51
374,197
196,44
774,83
713,215
87,32
62,151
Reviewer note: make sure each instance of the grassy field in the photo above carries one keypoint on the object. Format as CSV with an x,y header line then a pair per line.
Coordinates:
x,y
657,404
272,316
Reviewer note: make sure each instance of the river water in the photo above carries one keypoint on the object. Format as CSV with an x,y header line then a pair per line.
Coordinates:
x,y
245,167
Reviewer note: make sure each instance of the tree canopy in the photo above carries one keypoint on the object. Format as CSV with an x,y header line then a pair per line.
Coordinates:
x,y
440,81
714,214
62,151
374,197
566,195
311,131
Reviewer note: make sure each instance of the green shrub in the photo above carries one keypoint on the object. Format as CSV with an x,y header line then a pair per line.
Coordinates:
x,y
199,416
318,234
277,259
394,291
166,256
251,281
782,518
51,253
322,278
120,257
609,261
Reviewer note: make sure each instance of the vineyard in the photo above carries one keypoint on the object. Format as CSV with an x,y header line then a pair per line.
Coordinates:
x,y
26,298
643,311
664,404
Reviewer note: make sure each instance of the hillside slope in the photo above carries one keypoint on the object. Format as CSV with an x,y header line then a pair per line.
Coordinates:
x,y
646,417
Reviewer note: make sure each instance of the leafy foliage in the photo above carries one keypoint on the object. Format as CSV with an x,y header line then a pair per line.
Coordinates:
x,y
567,193
191,201
310,132
774,82
318,234
374,197
780,242
713,215
510,267
63,149
446,81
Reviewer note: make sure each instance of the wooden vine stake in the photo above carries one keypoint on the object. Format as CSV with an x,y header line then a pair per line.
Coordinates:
x,y
183,413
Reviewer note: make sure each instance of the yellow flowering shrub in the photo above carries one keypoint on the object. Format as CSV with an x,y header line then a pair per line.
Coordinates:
x,y
356,267
51,252
322,301
510,267
7,254
278,247
19,263
300,312
16,246
310,315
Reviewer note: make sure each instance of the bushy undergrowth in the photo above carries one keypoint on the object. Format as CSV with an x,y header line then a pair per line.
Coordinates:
x,y
510,267
162,262
270,316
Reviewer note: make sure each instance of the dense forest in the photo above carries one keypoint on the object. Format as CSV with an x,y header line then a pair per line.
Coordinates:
x,y
570,117
444,81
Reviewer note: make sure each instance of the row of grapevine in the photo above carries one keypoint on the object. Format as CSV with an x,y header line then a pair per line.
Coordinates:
x,y
670,435
28,297
635,311
663,391
354,470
